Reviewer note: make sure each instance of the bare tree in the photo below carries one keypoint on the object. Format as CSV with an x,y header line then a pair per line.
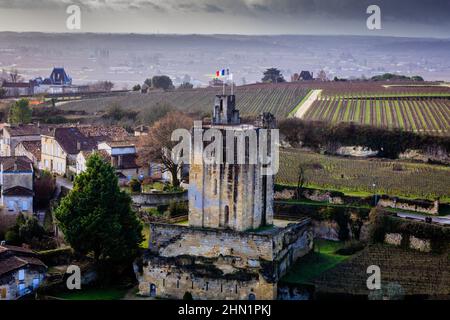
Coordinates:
x,y
300,182
322,76
15,76
157,145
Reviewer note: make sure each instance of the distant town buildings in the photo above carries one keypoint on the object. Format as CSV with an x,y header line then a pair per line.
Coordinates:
x,y
57,83
303,76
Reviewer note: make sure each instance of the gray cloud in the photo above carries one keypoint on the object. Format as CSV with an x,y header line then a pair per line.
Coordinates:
x,y
433,14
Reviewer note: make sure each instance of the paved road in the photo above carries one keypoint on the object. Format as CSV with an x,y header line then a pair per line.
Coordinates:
x,y
441,220
62,182
307,104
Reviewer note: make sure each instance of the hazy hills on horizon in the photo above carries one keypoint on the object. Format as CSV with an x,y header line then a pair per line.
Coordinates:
x,y
131,58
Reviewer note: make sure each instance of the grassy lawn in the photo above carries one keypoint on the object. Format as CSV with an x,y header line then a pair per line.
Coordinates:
x,y
159,186
94,294
312,265
322,203
146,234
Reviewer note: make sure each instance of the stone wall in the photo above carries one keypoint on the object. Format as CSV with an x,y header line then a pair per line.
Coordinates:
x,y
156,199
293,242
220,263
9,284
295,292
326,229
414,243
310,194
427,207
172,281
173,240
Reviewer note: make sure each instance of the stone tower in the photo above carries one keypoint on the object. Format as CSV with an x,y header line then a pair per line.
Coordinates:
x,y
225,110
229,196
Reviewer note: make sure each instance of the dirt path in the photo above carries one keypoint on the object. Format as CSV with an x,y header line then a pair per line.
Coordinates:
x,y
300,113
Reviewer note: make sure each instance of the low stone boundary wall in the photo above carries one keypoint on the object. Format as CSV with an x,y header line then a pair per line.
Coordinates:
x,y
156,199
396,239
427,207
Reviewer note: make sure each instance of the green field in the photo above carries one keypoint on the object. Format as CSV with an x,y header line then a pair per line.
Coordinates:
x,y
431,116
357,176
250,100
94,294
309,267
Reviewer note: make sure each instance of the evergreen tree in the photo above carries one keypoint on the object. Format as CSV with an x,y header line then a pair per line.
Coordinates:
x,y
20,112
273,75
96,216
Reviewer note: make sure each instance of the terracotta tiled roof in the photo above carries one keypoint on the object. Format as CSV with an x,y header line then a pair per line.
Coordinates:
x,y
120,144
128,160
15,249
26,130
13,258
33,147
15,163
18,191
17,85
73,141
109,133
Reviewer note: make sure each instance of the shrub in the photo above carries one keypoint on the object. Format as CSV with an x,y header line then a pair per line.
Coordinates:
x,y
12,237
56,256
154,212
178,209
187,296
135,185
28,230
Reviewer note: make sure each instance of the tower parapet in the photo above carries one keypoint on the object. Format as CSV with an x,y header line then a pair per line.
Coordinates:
x,y
225,111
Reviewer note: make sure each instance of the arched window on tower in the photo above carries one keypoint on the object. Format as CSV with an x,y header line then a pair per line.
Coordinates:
x,y
227,216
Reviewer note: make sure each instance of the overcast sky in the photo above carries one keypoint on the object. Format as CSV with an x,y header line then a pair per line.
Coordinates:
x,y
416,18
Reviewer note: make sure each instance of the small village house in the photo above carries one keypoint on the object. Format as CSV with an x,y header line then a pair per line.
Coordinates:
x,y
21,272
31,150
61,146
141,131
16,180
13,135
121,155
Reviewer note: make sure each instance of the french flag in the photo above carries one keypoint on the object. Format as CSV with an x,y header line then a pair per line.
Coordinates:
x,y
222,73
